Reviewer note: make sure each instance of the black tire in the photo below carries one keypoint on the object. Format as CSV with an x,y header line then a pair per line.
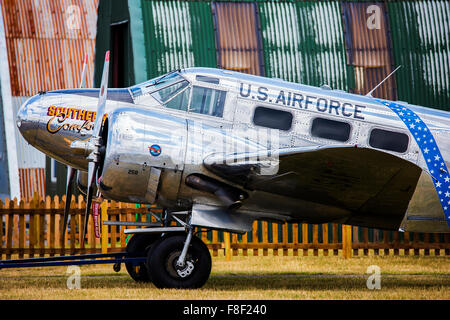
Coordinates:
x,y
138,246
162,259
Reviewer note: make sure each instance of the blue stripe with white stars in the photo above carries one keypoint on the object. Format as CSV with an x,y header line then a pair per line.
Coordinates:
x,y
430,150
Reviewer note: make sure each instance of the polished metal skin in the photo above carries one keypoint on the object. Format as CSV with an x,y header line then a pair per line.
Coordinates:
x,y
244,171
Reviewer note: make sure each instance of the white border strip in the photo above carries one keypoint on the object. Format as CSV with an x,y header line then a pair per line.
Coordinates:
x,y
8,116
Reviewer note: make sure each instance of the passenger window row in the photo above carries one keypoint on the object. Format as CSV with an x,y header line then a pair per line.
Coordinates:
x,y
331,129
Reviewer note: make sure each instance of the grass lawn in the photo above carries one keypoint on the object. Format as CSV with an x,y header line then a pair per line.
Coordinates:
x,y
251,277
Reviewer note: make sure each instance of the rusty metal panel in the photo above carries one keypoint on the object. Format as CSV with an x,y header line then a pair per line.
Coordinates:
x,y
368,47
238,42
46,43
31,180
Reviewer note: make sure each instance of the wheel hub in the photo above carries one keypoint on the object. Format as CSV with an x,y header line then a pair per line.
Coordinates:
x,y
187,270
179,271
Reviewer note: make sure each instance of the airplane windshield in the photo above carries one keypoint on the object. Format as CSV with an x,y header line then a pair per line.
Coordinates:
x,y
167,92
159,87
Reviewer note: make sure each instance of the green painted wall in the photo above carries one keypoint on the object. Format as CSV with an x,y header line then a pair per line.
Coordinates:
x,y
420,33
178,34
304,42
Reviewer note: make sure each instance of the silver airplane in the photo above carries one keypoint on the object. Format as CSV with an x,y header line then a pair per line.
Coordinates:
x,y
218,149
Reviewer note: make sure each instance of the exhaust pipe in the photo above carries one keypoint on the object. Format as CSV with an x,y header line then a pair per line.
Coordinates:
x,y
232,197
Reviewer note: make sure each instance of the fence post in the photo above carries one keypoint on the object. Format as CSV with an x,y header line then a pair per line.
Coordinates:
x,y
346,241
103,217
227,246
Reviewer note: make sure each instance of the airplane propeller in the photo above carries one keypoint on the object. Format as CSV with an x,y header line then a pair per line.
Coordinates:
x,y
95,143
72,171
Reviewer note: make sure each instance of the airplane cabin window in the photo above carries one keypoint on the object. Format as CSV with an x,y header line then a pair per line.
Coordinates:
x,y
272,118
389,140
180,101
330,129
166,93
207,101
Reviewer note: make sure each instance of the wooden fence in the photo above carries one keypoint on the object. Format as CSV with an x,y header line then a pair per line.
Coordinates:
x,y
33,229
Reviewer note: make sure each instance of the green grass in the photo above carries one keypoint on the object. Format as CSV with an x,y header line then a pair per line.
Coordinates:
x,y
255,278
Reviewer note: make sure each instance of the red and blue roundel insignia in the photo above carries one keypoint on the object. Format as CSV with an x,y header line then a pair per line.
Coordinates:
x,y
155,150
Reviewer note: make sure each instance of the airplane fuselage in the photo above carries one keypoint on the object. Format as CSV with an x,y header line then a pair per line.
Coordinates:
x,y
154,136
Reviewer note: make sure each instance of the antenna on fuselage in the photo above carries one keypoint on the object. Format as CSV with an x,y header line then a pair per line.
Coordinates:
x,y
371,91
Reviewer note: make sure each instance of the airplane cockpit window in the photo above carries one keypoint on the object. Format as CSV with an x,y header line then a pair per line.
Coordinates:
x,y
389,140
330,129
208,101
164,94
162,88
180,101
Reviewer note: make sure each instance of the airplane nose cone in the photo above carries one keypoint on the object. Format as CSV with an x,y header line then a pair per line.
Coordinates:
x,y
28,119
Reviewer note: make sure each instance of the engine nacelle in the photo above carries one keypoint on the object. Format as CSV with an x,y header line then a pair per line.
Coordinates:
x,y
143,162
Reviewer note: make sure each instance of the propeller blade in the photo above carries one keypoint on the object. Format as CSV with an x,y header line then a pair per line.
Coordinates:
x,y
91,180
98,124
70,178
72,171
94,157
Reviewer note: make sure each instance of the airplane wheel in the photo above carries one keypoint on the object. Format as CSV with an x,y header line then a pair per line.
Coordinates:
x,y
138,246
164,271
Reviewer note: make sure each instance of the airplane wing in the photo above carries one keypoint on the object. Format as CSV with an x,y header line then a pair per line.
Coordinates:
x,y
372,184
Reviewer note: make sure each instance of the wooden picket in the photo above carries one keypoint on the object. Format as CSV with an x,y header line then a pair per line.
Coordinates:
x,y
34,229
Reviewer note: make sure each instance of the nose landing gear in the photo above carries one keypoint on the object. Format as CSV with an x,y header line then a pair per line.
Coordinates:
x,y
176,258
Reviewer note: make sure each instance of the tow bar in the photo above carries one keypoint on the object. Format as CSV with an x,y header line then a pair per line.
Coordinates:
x,y
82,259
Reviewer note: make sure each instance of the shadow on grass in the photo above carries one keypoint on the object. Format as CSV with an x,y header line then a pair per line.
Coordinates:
x,y
324,282
240,282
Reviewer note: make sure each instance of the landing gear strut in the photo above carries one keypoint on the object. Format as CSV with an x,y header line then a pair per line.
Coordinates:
x,y
175,258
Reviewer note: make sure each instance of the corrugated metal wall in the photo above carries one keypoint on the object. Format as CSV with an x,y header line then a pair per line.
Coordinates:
x,y
420,33
179,34
310,42
46,42
304,42
238,40
368,48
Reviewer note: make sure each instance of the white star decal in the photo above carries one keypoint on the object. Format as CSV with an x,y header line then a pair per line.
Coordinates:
x,y
437,157
426,150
